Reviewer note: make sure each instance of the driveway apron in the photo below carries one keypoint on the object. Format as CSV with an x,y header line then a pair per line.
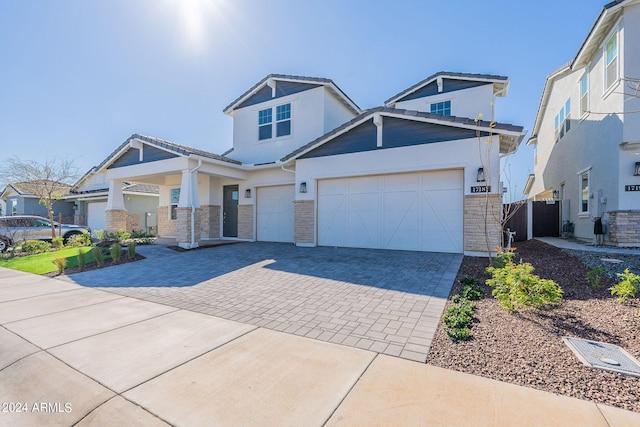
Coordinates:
x,y
388,302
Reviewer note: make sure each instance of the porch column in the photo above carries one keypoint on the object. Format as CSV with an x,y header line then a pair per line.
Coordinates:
x,y
188,211
116,214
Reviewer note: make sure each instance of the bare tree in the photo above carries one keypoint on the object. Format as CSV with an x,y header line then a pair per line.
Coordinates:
x,y
48,180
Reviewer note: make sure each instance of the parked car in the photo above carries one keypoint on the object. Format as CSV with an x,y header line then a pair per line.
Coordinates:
x,y
30,227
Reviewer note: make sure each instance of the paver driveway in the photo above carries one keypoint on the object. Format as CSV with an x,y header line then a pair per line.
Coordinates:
x,y
389,302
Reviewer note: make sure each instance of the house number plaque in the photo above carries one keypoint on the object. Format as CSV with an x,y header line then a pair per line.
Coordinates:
x,y
632,188
483,189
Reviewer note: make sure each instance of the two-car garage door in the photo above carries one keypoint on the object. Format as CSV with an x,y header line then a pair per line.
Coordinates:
x,y
412,211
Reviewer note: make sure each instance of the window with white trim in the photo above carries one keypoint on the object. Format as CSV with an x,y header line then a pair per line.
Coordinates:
x,y
264,123
562,121
584,94
283,120
173,206
442,108
611,61
584,192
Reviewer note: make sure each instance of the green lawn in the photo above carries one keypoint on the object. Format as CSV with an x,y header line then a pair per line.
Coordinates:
x,y
43,263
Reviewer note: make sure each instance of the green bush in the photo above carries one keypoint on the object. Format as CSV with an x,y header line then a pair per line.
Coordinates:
x,y
35,246
116,253
472,292
594,276
503,257
60,263
515,287
82,259
627,287
458,320
79,240
98,256
119,235
57,242
131,250
100,234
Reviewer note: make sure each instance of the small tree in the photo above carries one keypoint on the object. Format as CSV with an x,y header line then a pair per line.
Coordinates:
x,y
48,181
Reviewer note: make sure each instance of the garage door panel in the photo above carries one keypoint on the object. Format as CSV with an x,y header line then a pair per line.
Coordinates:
x,y
413,211
96,216
275,213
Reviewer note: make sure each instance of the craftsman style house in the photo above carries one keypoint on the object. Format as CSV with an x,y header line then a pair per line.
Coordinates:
x,y
587,131
309,167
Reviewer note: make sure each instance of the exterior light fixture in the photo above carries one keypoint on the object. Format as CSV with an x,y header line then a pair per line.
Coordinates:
x,y
480,176
303,187
636,170
556,194
247,193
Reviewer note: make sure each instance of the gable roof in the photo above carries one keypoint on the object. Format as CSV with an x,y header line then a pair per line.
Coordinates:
x,y
509,130
602,26
21,188
317,81
126,187
181,150
501,83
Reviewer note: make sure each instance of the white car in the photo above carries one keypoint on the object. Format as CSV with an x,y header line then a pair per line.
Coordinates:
x,y
30,227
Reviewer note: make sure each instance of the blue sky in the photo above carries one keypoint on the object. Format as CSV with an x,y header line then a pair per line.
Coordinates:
x,y
79,77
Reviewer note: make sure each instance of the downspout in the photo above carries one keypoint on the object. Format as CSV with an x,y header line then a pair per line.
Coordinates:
x,y
193,207
287,170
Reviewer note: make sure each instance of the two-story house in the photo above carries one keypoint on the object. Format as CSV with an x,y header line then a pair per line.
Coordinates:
x,y
587,131
309,167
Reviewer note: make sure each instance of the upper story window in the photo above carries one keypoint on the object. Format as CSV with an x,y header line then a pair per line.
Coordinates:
x,y
283,120
562,121
611,61
584,192
584,94
443,108
264,123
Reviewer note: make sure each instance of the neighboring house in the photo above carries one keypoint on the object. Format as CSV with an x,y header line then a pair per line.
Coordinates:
x,y
587,132
89,198
19,201
309,167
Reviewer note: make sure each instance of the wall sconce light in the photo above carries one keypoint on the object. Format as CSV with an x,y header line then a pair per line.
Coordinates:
x,y
480,175
556,194
636,170
303,187
247,193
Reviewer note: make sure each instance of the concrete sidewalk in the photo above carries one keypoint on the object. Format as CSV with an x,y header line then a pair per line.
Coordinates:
x,y
76,356
572,244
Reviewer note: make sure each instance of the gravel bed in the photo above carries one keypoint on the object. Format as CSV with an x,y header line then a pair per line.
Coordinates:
x,y
525,348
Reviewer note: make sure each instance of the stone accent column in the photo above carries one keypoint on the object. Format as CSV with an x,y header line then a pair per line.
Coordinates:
x,y
166,226
80,219
183,227
245,222
133,222
624,228
210,222
304,221
475,238
116,219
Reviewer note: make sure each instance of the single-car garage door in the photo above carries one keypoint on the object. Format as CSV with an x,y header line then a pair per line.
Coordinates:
x,y
275,213
412,211
96,216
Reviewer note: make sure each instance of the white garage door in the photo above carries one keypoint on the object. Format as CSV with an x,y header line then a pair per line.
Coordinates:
x,y
413,211
96,216
275,213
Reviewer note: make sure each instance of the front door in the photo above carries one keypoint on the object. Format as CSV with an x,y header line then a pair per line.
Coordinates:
x,y
230,211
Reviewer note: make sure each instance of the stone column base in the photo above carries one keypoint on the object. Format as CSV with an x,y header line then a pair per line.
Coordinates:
x,y
183,228
245,222
304,222
624,228
476,238
115,220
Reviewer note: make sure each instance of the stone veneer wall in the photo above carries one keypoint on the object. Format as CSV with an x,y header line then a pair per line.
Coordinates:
x,y
245,221
624,228
166,226
183,225
210,222
115,220
133,222
304,220
474,211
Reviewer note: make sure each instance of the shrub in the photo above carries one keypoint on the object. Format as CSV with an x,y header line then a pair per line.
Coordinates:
x,y
515,287
35,246
57,242
472,292
119,235
458,320
60,263
116,253
98,256
503,256
627,287
131,250
79,240
100,234
82,259
594,276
